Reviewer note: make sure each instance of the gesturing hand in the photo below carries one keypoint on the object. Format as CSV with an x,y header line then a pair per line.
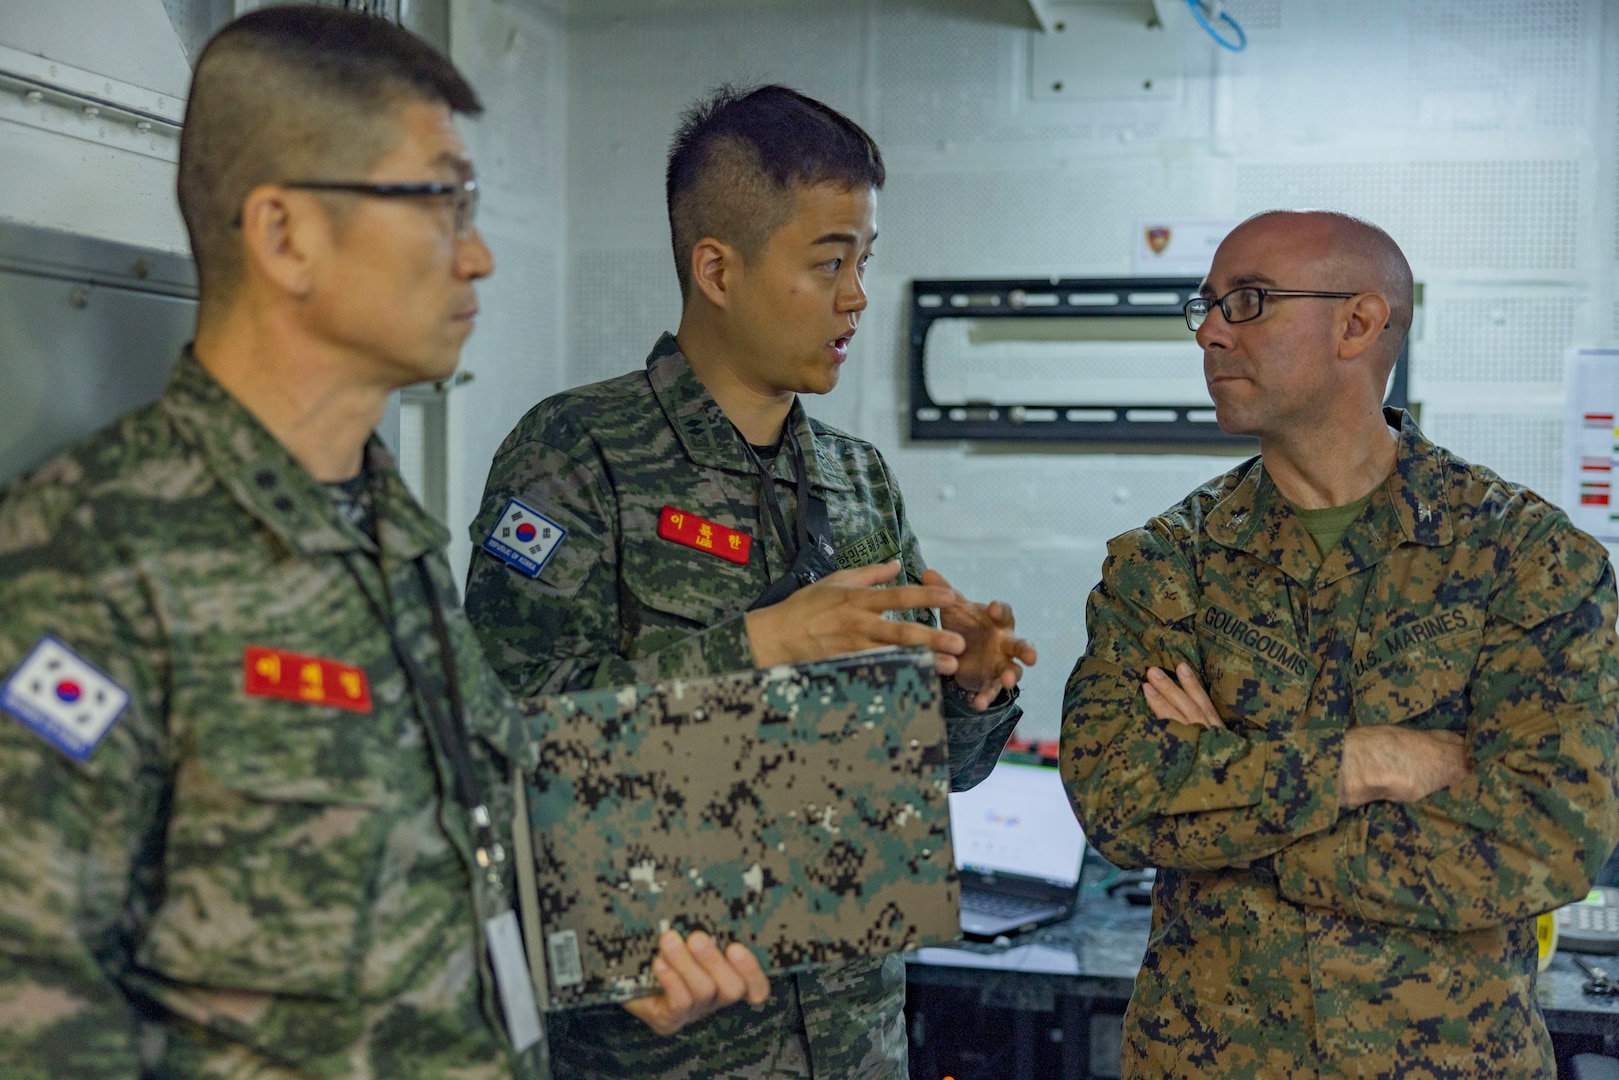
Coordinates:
x,y
994,656
843,613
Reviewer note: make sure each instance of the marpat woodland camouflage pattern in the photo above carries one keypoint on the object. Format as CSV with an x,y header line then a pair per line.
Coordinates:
x,y
802,808
616,603
261,885
1295,939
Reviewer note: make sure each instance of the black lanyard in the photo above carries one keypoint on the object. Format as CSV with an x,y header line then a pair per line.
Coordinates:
x,y
791,543
809,553
451,728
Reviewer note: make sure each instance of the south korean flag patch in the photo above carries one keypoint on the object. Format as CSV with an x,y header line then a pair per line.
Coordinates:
x,y
524,538
64,698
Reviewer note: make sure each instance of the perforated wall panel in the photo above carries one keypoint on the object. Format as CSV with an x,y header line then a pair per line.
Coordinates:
x,y
1499,339
1457,216
621,302
1523,448
1072,221
1254,15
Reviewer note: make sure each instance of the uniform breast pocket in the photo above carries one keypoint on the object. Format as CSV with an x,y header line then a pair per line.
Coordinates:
x,y
681,589
1424,686
1252,689
273,838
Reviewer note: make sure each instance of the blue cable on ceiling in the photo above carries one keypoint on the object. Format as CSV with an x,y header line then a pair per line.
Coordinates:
x,y
1203,20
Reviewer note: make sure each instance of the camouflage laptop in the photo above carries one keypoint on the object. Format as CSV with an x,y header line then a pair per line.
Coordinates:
x,y
799,809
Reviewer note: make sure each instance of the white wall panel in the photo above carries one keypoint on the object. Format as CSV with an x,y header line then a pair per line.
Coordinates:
x,y
129,40
516,56
1519,216
620,302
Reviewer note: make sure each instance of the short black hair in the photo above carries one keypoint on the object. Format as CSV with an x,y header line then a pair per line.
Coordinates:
x,y
739,153
294,92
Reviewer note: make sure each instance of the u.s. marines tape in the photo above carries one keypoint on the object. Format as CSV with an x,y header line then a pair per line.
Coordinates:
x,y
800,810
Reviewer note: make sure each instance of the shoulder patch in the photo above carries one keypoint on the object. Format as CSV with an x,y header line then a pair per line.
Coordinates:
x,y
524,538
63,698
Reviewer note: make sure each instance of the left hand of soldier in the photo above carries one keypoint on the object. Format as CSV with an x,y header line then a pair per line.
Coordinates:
x,y
994,655
697,978
1186,702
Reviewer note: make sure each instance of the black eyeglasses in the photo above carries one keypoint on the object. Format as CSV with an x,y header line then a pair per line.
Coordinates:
x,y
1244,304
463,196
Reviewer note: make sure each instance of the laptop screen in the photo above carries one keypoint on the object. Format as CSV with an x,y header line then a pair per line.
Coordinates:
x,y
1018,821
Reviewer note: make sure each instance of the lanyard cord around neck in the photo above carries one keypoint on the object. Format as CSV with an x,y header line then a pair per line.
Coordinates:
x,y
451,728
794,542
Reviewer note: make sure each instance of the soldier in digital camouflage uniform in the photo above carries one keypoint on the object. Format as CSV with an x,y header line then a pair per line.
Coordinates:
x,y
1389,740
235,837
660,552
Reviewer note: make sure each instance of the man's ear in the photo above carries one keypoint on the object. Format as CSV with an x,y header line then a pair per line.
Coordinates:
x,y
1368,318
715,266
281,232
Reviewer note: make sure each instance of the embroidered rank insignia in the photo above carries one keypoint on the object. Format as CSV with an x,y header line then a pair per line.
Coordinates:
x,y
524,538
702,534
312,679
63,698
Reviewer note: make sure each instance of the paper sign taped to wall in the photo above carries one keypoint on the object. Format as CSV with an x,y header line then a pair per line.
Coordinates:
x,y
1177,247
1591,441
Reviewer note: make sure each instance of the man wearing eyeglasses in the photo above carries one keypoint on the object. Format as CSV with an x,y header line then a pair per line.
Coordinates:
x,y
1355,699
253,814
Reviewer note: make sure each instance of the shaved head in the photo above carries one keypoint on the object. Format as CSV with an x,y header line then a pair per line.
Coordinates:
x,y
1353,255
740,155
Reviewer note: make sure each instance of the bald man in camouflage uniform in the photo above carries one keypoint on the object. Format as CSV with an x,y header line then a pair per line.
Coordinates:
x,y
692,518
1388,742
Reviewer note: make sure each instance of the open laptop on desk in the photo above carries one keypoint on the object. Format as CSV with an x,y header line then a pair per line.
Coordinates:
x,y
1018,850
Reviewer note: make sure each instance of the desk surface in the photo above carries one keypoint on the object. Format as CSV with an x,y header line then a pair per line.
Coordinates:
x,y
1098,951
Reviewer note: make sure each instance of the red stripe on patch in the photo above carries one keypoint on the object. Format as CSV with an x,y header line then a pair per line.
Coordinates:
x,y
684,527
314,680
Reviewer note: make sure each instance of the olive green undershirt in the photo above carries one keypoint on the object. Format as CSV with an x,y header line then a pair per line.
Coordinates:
x,y
1327,527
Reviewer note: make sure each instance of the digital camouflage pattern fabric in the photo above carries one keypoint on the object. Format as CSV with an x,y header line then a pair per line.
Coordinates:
x,y
1293,938
804,805
616,603
237,885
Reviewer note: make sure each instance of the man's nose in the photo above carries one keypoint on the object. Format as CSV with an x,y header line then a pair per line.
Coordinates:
x,y
852,291
1215,333
474,260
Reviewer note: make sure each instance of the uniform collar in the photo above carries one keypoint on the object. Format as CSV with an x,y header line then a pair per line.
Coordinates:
x,y
270,484
707,435
1413,505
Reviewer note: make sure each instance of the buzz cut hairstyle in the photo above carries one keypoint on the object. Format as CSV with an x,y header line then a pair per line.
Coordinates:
x,y
739,154
295,93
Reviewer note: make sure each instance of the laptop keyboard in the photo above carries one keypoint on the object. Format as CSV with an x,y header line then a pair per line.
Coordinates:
x,y
1001,906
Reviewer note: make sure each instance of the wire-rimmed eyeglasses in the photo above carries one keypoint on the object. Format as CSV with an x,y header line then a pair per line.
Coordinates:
x,y
1245,303
463,195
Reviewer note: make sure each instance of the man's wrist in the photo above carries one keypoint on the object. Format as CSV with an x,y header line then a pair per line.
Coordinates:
x,y
967,697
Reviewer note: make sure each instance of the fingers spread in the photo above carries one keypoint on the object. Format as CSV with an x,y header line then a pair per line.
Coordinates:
x,y
866,576
889,632
905,597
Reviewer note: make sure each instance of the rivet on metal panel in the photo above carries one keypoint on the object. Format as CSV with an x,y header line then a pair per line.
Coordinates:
x,y
142,268
92,111
78,296
33,97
